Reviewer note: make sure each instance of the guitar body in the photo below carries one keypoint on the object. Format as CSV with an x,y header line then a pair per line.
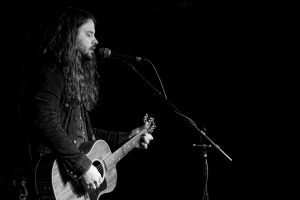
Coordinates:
x,y
52,182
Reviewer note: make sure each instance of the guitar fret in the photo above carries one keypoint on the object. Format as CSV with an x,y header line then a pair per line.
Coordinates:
x,y
128,146
120,153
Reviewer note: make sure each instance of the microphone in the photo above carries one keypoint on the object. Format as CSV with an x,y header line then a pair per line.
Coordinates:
x,y
106,53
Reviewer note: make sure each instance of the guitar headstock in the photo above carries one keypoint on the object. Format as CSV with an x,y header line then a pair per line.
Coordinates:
x,y
149,123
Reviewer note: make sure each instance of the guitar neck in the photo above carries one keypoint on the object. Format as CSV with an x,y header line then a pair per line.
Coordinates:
x,y
114,158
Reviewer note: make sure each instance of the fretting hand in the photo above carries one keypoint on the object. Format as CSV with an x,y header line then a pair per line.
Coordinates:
x,y
145,138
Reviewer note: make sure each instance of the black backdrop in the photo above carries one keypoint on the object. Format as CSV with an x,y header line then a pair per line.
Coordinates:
x,y
219,65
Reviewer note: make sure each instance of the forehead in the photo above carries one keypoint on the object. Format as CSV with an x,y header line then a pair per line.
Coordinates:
x,y
88,26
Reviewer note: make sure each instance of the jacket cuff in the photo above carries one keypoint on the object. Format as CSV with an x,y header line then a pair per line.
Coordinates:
x,y
82,165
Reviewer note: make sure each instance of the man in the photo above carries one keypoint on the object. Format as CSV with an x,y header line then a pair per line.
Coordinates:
x,y
66,91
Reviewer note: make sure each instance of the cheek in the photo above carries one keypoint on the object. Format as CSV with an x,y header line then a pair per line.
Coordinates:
x,y
83,45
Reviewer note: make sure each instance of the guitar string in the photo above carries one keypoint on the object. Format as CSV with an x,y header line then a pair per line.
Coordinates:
x,y
123,150
117,157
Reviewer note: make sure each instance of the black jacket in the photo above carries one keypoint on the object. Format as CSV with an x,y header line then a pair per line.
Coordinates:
x,y
54,121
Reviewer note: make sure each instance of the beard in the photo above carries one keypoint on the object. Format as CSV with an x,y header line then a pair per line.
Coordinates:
x,y
88,55
88,61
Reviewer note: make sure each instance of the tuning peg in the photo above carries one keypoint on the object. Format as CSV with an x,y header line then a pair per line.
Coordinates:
x,y
146,117
153,126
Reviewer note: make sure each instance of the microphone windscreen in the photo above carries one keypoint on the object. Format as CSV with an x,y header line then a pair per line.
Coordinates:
x,y
104,52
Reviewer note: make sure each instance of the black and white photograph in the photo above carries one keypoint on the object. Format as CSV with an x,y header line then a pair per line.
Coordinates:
x,y
175,99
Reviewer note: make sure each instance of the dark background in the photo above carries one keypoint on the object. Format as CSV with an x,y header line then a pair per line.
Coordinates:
x,y
224,65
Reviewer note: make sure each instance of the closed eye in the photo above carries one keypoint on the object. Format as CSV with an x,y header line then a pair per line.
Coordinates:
x,y
90,34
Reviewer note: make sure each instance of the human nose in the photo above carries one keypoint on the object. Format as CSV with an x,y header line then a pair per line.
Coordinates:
x,y
95,41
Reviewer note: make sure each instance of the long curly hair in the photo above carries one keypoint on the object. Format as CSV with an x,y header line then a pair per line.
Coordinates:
x,y
81,75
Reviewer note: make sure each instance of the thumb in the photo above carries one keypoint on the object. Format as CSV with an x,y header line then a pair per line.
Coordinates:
x,y
134,132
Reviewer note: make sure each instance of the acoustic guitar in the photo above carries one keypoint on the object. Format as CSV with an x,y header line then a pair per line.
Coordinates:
x,y
53,181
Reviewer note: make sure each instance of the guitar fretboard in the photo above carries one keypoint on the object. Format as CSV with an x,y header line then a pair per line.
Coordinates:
x,y
114,158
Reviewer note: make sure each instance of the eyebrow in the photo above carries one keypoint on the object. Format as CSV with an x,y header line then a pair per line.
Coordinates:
x,y
93,32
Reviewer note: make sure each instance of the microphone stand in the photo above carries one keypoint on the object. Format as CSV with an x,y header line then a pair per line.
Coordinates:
x,y
201,132
176,110
204,154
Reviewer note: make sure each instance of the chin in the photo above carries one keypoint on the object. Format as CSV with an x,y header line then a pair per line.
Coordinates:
x,y
88,56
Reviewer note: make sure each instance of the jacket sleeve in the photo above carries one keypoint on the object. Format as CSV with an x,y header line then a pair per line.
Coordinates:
x,y
47,105
114,139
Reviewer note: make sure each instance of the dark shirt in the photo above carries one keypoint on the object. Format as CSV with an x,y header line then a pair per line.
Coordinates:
x,y
61,127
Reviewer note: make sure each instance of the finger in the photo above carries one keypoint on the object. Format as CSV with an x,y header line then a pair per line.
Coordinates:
x,y
135,131
101,180
148,136
97,184
144,145
145,140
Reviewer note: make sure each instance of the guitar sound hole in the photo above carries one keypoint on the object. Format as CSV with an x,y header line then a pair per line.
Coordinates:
x,y
99,166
